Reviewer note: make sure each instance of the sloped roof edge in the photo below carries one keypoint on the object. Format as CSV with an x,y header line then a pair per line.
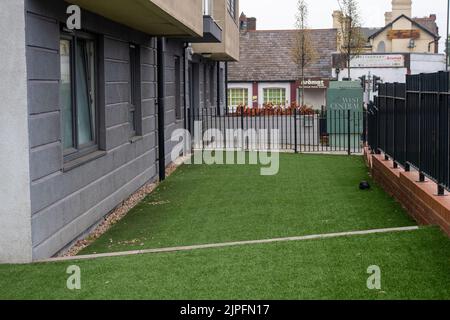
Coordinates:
x,y
408,18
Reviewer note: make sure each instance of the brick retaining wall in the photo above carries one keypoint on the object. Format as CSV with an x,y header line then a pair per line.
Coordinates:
x,y
418,198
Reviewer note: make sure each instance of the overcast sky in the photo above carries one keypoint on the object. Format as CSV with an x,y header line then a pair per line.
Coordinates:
x,y
280,14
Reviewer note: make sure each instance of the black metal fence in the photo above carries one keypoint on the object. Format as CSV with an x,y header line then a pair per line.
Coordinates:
x,y
297,130
410,124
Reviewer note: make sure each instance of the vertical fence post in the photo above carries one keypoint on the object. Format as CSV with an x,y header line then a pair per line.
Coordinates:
x,y
406,109
421,175
242,129
349,151
187,120
386,127
394,119
295,130
440,188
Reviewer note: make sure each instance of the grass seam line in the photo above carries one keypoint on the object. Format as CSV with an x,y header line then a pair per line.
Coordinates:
x,y
227,244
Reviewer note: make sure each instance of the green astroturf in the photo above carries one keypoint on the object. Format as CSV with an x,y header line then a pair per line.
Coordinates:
x,y
413,264
200,204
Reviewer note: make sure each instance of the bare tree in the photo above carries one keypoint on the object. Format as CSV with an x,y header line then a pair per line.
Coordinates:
x,y
351,39
303,52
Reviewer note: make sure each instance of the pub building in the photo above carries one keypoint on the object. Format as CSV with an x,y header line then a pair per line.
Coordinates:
x,y
266,72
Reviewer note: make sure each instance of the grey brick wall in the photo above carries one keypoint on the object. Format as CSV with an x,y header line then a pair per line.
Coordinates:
x,y
173,49
65,204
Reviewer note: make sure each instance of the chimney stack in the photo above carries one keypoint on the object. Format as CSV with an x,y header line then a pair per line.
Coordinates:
x,y
246,24
401,7
251,24
337,19
388,18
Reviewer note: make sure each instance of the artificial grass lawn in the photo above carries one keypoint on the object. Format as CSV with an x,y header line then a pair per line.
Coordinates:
x,y
414,265
198,204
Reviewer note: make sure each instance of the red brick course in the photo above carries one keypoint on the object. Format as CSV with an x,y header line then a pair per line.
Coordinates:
x,y
418,198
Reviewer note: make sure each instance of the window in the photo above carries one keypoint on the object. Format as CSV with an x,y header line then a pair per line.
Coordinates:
x,y
237,97
231,6
78,94
276,96
177,87
381,47
135,90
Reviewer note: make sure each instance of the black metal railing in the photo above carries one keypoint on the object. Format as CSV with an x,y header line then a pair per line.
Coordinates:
x,y
409,123
298,130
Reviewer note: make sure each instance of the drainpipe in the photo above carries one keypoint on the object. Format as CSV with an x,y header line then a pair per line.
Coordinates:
x,y
218,88
161,109
185,83
447,43
226,87
435,41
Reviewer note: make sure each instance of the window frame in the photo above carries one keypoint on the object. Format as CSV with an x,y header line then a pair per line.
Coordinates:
x,y
283,103
178,85
244,97
134,105
81,150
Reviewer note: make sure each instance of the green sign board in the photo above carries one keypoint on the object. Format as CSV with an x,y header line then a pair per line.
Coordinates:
x,y
344,113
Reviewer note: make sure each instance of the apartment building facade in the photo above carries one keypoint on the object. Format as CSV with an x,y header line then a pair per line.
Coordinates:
x,y
87,115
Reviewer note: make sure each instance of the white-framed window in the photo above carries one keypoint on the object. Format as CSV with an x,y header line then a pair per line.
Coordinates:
x,y
237,97
275,96
277,93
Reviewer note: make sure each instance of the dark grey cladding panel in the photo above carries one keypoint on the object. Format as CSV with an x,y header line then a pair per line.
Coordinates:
x,y
149,125
45,129
42,32
148,90
117,136
49,221
117,93
117,114
116,49
45,160
66,203
117,71
148,107
43,96
56,9
42,64
148,73
148,55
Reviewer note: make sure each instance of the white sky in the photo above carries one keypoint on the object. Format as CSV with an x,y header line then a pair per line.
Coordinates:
x,y
280,14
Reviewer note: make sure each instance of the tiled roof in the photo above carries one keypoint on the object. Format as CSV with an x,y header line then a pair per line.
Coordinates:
x,y
267,56
367,32
428,23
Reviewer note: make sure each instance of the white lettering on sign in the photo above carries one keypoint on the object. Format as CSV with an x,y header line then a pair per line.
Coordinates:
x,y
314,83
378,61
